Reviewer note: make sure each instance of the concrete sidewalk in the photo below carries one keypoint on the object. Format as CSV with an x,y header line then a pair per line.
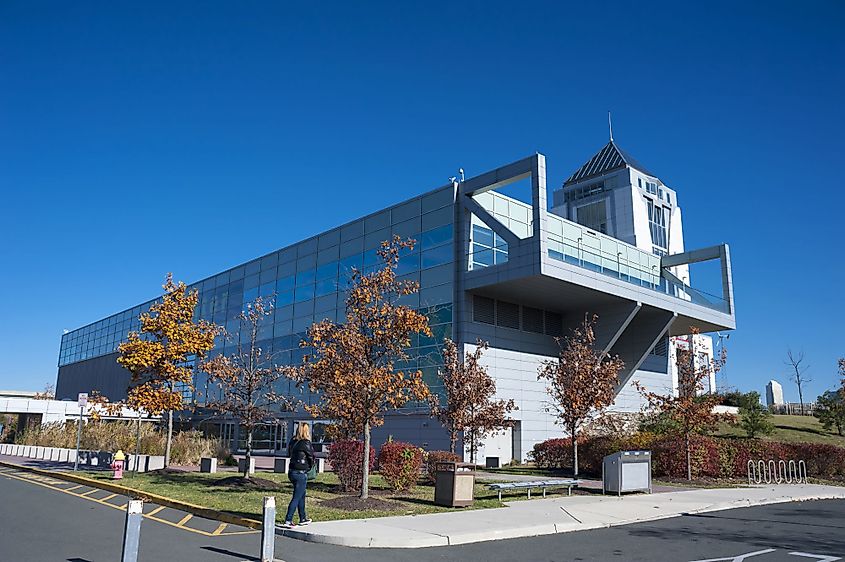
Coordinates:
x,y
546,516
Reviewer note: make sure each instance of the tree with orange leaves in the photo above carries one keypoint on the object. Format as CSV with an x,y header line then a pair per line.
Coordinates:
x,y
247,377
582,381
469,405
691,411
353,365
161,358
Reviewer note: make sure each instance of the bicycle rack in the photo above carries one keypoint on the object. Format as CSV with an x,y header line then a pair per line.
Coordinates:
x,y
782,471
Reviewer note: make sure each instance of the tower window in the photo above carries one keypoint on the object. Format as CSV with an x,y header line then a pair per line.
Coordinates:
x,y
657,225
594,216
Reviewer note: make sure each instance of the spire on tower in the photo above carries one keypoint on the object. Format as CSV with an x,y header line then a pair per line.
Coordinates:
x,y
610,125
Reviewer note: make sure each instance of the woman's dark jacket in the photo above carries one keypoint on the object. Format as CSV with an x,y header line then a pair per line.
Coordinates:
x,y
301,455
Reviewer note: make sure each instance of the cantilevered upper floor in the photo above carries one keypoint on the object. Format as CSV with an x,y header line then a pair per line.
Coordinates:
x,y
547,261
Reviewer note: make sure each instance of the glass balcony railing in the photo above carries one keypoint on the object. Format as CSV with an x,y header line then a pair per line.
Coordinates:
x,y
576,244
651,279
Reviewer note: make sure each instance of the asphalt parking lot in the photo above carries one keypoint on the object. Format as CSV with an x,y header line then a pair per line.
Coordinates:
x,y
42,518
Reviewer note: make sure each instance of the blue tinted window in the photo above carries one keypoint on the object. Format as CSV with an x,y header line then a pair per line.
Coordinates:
x,y
437,256
327,271
408,264
284,298
481,255
304,293
326,287
305,277
436,236
285,284
482,235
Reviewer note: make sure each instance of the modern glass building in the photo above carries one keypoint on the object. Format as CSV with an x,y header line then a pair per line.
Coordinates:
x,y
493,267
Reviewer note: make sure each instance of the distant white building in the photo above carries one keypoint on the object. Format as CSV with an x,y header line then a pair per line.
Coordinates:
x,y
774,394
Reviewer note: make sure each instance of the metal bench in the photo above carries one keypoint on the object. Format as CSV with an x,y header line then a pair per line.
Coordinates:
x,y
501,486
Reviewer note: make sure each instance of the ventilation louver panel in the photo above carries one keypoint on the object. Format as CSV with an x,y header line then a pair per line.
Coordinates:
x,y
554,324
532,319
483,310
507,315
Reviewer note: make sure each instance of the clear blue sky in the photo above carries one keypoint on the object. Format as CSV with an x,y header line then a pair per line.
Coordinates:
x,y
141,138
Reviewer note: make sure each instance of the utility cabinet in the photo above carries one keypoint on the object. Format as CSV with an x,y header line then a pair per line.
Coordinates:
x,y
627,471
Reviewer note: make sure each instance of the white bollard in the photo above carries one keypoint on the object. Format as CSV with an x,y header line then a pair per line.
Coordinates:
x,y
132,531
268,530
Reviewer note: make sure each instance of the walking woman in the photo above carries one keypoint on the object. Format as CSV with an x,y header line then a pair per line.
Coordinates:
x,y
301,455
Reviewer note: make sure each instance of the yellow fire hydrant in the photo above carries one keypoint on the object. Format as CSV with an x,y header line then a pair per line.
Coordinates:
x,y
117,465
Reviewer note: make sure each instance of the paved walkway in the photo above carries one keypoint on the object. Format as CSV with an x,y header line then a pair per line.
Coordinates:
x,y
546,516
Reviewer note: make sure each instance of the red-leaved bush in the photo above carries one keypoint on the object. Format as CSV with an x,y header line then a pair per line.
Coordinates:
x,y
346,456
399,464
434,457
552,453
712,457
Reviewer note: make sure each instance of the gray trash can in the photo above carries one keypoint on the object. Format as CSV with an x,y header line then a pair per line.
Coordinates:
x,y
454,484
626,471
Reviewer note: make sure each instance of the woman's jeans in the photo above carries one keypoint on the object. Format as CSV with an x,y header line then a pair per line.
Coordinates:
x,y
298,478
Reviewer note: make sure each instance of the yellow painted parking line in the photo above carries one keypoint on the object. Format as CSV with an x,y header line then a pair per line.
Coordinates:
x,y
85,495
156,510
239,533
219,529
108,497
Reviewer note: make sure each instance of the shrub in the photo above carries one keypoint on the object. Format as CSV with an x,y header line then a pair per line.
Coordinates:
x,y
434,457
669,456
399,463
591,453
552,453
345,457
188,446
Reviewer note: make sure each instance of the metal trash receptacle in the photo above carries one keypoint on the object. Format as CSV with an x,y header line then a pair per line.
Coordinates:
x,y
454,484
626,471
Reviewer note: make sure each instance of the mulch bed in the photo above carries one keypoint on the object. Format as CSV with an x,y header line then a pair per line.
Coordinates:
x,y
238,482
354,503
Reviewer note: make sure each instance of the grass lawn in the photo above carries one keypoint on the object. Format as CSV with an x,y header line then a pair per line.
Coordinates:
x,y
200,489
792,429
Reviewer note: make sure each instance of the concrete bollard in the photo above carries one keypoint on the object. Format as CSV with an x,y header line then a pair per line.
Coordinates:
x,y
280,464
155,462
132,531
242,465
208,464
136,463
268,530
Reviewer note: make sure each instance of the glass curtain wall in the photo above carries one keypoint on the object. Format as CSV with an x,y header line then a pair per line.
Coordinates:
x,y
308,281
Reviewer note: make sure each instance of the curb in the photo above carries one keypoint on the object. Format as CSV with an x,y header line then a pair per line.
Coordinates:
x,y
429,540
200,511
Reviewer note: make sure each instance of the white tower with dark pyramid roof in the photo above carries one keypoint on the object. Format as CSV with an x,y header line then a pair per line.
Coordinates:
x,y
615,194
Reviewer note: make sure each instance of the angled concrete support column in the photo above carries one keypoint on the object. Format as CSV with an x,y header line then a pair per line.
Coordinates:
x,y
612,323
643,332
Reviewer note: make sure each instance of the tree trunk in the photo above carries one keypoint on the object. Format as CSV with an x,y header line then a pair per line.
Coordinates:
x,y
801,397
453,440
138,444
365,479
169,440
248,453
689,456
574,451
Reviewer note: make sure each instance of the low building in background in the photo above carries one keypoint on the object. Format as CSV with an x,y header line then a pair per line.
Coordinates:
x,y
495,261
